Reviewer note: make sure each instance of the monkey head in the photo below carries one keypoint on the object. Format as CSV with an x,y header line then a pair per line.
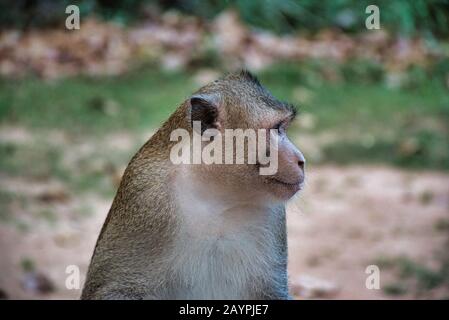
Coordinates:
x,y
238,104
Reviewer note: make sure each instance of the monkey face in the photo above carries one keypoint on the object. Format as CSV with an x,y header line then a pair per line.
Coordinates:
x,y
275,174
240,102
289,178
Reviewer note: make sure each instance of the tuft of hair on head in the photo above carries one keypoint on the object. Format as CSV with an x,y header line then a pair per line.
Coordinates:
x,y
245,74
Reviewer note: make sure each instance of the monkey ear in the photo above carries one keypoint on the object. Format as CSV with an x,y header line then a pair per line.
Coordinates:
x,y
204,108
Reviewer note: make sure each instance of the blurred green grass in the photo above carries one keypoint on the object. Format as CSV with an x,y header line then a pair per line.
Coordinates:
x,y
86,105
370,121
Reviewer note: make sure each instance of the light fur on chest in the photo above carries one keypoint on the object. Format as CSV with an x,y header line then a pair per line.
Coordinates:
x,y
225,249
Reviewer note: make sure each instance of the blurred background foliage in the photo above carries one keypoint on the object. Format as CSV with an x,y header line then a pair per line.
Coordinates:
x,y
430,17
391,84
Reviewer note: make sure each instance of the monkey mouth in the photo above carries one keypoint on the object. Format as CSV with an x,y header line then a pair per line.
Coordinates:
x,y
291,185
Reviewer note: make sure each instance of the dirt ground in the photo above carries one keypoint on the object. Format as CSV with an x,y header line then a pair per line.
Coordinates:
x,y
348,218
345,219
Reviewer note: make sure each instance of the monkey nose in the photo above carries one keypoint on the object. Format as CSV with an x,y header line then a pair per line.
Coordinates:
x,y
301,161
301,164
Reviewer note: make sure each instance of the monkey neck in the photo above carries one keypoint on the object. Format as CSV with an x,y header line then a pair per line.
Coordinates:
x,y
200,185
210,209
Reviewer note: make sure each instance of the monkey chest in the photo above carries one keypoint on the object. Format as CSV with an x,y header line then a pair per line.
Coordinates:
x,y
221,266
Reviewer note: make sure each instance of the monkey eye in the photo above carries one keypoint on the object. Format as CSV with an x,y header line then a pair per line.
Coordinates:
x,y
280,126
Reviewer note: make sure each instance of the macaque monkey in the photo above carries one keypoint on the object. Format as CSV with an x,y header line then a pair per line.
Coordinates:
x,y
202,231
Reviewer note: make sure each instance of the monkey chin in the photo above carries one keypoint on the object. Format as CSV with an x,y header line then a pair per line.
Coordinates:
x,y
284,191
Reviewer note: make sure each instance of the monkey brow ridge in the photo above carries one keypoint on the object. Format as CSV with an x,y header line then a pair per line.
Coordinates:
x,y
246,75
